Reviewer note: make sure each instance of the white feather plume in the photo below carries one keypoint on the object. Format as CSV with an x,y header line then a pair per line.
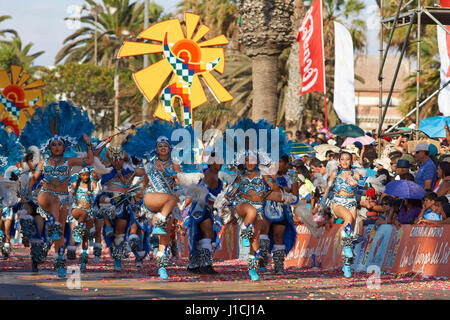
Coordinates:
x,y
36,155
197,192
8,192
301,210
229,178
98,166
377,183
188,179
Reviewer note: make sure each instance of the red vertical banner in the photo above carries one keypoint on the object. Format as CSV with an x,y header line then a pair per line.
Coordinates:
x,y
311,52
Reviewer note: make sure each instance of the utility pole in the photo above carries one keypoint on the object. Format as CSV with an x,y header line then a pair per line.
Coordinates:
x,y
144,100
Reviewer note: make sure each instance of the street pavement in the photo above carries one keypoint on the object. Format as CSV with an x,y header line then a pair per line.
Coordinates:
x,y
99,281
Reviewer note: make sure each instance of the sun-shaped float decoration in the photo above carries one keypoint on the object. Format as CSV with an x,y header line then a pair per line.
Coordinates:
x,y
185,59
18,99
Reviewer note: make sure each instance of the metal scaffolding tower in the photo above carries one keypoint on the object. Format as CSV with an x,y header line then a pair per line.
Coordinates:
x,y
419,16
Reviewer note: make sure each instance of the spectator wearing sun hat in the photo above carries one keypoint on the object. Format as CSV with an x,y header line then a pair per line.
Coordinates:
x,y
387,145
383,163
427,175
402,168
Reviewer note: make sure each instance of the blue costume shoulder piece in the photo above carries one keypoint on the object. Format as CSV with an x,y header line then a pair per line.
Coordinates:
x,y
107,177
11,151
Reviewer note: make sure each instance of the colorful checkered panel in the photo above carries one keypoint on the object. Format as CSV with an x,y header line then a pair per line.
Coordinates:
x,y
186,71
182,91
13,112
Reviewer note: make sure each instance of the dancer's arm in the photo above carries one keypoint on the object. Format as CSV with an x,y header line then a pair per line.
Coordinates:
x,y
35,175
103,145
73,162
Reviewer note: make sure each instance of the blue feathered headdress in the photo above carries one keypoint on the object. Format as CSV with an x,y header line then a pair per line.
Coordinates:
x,y
58,121
11,151
263,143
143,144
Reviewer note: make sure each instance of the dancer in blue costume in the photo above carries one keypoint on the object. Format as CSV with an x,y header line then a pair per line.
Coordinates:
x,y
11,152
32,224
202,224
139,231
152,142
254,184
83,196
58,128
343,185
278,234
117,203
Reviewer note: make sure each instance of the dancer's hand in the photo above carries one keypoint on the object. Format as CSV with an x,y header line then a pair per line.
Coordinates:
x,y
87,139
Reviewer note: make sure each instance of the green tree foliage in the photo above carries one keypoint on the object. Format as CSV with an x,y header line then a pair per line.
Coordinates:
x,y
14,53
116,21
92,87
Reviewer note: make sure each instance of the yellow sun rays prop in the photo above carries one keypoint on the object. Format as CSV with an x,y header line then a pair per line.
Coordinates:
x,y
185,60
18,97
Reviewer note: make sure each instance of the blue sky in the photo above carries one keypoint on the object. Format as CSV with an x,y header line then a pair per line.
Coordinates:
x,y
42,23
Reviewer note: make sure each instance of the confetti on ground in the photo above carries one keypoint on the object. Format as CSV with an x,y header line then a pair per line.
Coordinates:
x,y
232,282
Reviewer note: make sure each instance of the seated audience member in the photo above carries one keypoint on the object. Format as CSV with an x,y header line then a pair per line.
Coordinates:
x,y
442,186
387,203
427,174
433,209
409,211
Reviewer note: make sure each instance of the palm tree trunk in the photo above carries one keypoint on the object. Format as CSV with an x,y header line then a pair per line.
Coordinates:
x,y
293,102
266,30
265,98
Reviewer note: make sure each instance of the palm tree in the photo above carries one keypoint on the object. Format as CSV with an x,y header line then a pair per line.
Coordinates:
x,y
114,21
7,31
293,104
266,30
222,16
14,53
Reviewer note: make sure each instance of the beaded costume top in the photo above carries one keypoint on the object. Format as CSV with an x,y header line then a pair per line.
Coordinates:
x,y
160,181
83,196
60,172
342,184
256,184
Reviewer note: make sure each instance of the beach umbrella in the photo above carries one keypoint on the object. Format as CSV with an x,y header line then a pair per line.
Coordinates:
x,y
347,130
434,127
405,189
364,140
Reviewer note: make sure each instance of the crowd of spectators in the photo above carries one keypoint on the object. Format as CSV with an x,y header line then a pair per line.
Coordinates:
x,y
422,164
